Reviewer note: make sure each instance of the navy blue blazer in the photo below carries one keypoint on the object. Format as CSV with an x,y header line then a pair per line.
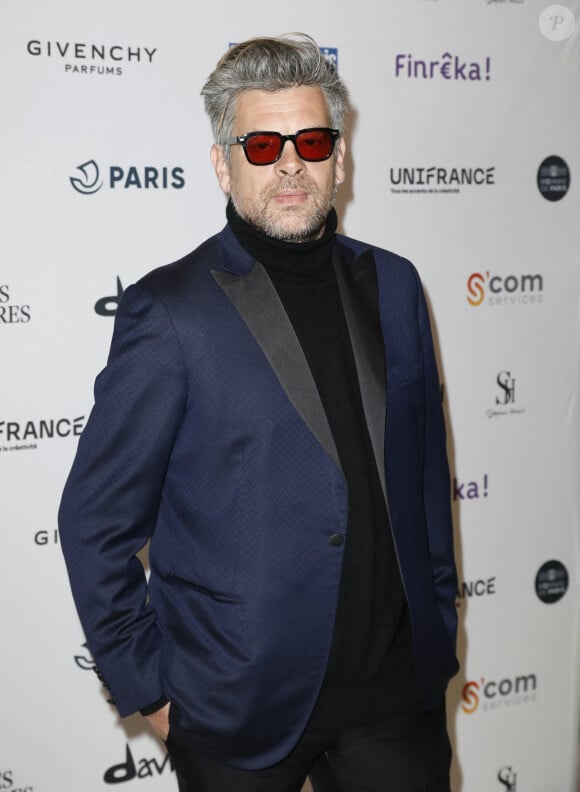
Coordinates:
x,y
208,437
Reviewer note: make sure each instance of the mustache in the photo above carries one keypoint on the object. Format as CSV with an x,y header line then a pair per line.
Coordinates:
x,y
287,183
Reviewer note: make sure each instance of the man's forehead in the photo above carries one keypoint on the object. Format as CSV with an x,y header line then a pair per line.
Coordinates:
x,y
303,104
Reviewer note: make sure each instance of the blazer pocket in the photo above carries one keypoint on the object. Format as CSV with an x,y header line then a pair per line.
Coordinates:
x,y
219,596
205,625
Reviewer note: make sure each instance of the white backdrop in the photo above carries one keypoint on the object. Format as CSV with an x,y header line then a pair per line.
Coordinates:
x,y
466,125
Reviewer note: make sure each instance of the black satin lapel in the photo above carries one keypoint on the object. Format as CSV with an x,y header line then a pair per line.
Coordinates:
x,y
357,281
257,302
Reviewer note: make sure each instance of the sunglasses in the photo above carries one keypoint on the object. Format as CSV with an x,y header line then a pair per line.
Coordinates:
x,y
314,144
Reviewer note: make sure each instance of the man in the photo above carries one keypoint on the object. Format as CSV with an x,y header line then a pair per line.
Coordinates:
x,y
270,419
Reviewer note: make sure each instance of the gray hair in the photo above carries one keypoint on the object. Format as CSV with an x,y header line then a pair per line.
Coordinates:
x,y
271,64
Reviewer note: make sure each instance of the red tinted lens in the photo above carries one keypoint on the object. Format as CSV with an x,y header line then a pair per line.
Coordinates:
x,y
263,148
314,144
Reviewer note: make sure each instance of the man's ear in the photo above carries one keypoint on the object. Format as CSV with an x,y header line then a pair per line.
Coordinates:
x,y
221,167
339,161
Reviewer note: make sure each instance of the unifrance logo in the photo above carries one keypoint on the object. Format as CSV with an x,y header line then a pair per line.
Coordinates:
x,y
24,435
91,59
489,695
449,67
504,290
436,179
140,177
483,587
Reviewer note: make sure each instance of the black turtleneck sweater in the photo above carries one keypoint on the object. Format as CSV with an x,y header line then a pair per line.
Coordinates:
x,y
370,669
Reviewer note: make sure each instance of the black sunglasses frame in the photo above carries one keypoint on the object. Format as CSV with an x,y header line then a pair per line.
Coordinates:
x,y
242,140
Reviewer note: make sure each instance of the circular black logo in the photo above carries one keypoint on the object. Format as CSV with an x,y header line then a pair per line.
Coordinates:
x,y
551,582
553,178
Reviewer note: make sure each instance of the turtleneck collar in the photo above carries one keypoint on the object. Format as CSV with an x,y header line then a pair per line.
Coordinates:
x,y
287,260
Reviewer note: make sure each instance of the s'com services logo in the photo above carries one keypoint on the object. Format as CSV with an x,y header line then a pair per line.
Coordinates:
x,y
493,695
504,289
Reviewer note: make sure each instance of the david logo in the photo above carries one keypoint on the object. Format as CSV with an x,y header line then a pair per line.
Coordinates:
x,y
107,306
89,183
129,769
508,778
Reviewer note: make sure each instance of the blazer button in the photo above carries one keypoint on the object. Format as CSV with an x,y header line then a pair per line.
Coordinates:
x,y
336,540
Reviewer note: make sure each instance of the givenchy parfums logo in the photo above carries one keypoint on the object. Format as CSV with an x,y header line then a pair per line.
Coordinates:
x,y
89,58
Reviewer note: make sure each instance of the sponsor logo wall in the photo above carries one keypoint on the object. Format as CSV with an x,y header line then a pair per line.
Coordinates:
x,y
465,159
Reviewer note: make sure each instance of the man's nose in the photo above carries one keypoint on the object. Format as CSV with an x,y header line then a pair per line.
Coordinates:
x,y
290,162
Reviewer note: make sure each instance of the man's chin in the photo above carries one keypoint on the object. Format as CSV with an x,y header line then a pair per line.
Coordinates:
x,y
292,227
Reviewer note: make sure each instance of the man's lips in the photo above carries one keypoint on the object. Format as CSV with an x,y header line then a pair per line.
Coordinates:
x,y
291,196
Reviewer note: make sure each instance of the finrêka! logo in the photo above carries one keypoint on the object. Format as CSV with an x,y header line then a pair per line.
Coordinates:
x,y
447,67
470,490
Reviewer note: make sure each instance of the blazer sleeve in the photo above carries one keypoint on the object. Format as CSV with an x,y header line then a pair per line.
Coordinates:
x,y
436,482
111,499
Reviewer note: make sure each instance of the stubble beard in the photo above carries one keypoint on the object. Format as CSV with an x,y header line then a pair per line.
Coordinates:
x,y
288,223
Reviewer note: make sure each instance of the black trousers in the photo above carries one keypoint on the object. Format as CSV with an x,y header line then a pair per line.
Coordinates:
x,y
412,755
